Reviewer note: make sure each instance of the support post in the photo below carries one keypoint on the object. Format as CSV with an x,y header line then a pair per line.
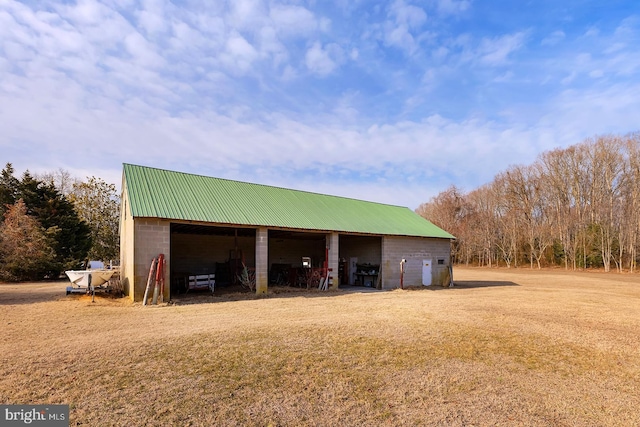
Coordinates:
x,y
333,244
262,260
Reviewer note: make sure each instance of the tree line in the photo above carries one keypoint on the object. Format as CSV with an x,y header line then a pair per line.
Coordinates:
x,y
576,207
53,223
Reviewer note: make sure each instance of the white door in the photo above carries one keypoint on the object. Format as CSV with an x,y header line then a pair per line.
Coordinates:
x,y
426,272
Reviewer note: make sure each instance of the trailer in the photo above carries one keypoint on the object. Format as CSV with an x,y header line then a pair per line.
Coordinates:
x,y
89,281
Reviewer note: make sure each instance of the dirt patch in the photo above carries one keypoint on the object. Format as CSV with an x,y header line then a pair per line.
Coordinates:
x,y
504,347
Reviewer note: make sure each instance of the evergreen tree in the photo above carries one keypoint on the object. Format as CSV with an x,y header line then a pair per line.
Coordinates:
x,y
70,237
8,188
25,249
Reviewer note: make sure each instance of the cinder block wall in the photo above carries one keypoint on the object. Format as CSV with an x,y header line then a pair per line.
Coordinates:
x,y
414,250
291,251
198,254
151,238
366,249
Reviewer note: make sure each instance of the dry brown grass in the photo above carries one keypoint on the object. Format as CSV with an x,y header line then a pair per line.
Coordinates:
x,y
502,348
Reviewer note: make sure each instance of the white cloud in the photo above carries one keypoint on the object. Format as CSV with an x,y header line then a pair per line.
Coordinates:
x,y
247,14
504,77
407,15
346,110
324,25
419,157
323,60
628,28
606,57
495,51
86,12
453,7
576,114
596,74
582,60
152,17
592,32
429,78
129,77
569,79
553,38
440,53
188,44
289,73
293,20
615,47
211,25
403,24
400,37
488,51
239,54
142,51
16,52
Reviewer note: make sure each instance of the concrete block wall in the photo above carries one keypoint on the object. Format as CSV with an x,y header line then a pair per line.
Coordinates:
x,y
291,251
198,254
414,250
367,249
145,238
152,237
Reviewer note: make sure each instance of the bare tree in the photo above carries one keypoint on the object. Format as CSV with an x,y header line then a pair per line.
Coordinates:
x,y
98,204
556,177
448,210
630,227
525,195
482,230
506,222
607,181
578,207
61,179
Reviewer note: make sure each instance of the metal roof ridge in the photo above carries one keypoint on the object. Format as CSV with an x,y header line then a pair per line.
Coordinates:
x,y
266,185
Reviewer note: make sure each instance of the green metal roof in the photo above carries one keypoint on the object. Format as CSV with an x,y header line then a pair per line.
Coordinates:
x,y
158,193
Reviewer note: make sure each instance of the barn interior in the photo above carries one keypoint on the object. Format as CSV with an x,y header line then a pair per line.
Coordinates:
x,y
217,255
296,258
360,259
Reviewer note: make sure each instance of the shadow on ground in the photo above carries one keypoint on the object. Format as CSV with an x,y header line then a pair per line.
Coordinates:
x,y
232,294
470,284
239,294
16,294
463,284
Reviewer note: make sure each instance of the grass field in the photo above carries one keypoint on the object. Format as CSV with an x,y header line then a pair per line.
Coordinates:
x,y
502,348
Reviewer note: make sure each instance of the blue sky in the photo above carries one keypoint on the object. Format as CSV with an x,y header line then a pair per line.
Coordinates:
x,y
385,101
